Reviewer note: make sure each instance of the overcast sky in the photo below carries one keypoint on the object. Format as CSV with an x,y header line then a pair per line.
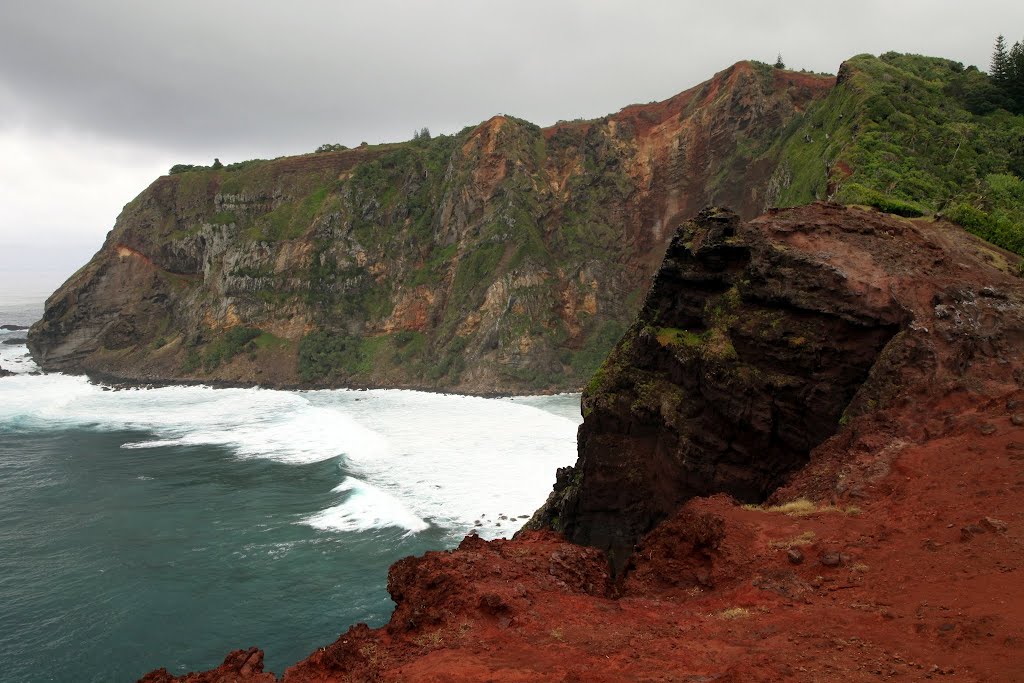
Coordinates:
x,y
98,98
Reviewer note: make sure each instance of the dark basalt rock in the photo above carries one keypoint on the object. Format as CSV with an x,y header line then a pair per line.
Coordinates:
x,y
752,345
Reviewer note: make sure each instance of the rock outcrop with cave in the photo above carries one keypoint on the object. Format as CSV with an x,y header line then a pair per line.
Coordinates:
x,y
862,372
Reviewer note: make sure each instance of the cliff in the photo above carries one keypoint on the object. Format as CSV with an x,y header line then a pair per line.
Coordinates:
x,y
507,258
510,258
804,458
760,339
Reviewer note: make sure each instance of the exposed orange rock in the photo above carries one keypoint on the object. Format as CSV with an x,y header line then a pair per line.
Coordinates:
x,y
411,311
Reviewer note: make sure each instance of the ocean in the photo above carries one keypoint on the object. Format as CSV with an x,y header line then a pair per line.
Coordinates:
x,y
165,527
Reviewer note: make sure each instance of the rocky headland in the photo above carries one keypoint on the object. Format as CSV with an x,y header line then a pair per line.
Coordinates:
x,y
803,461
508,258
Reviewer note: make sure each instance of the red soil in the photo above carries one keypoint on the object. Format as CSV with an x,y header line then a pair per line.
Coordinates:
x,y
920,580
908,565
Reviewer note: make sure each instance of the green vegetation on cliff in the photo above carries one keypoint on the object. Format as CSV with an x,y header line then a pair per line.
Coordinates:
x,y
510,258
224,347
914,136
441,225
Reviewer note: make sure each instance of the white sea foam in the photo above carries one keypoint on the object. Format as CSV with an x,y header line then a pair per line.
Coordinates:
x,y
458,460
15,357
415,459
265,424
365,507
279,425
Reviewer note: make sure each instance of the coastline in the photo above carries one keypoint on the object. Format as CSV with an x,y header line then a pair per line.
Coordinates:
x,y
122,383
293,489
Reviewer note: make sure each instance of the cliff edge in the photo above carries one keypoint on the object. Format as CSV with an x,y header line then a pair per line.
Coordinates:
x,y
760,339
804,461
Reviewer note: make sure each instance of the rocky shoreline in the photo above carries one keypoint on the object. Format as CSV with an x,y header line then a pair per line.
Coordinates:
x,y
116,382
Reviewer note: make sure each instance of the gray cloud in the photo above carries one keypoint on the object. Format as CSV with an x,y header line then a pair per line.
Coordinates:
x,y
230,77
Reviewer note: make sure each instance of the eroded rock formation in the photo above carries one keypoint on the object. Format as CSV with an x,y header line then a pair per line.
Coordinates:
x,y
757,341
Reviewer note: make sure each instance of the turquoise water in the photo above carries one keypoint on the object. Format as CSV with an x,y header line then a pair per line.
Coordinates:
x,y
165,527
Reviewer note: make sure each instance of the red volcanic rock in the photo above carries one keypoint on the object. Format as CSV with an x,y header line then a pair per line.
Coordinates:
x,y
895,551
760,339
241,666
699,548
486,578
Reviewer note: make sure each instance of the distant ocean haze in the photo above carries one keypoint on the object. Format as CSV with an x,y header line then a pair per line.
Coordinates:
x,y
30,273
164,527
22,313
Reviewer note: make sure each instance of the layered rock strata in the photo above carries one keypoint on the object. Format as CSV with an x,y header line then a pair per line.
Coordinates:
x,y
758,341
506,258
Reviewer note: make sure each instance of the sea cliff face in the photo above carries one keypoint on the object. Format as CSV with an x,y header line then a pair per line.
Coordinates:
x,y
759,340
507,258
862,372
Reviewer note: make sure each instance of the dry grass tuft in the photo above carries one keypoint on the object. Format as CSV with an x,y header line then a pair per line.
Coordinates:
x,y
804,539
431,640
734,613
802,507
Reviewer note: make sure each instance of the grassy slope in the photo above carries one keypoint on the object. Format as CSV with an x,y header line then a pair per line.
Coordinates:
x,y
897,133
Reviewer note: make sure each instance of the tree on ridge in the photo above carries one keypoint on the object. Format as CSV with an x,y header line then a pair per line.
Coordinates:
x,y
999,69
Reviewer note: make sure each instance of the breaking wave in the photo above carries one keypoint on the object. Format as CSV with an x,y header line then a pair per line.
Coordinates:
x,y
407,459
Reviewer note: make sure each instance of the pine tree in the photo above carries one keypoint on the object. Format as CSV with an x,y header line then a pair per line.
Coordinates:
x,y
779,64
1000,61
1015,76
